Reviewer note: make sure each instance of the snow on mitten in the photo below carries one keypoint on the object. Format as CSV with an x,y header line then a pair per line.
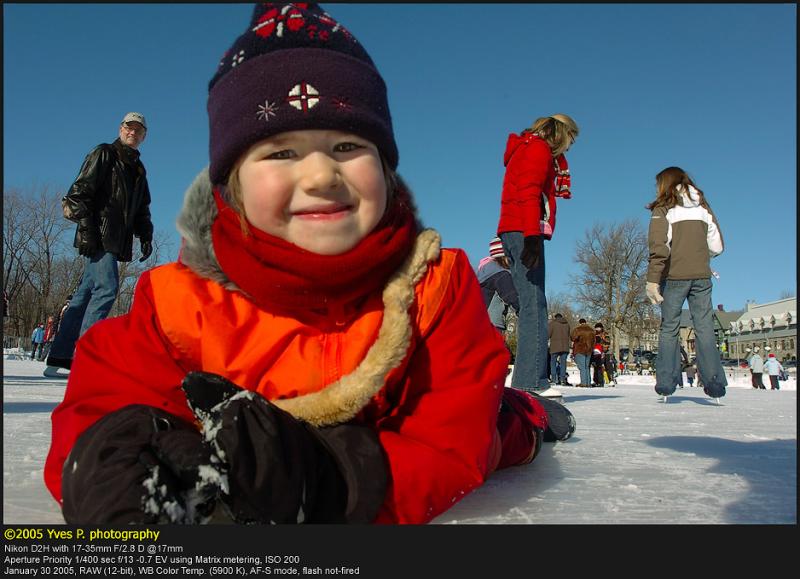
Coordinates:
x,y
275,470
138,464
188,462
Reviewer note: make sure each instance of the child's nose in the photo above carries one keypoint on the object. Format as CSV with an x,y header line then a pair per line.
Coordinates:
x,y
320,173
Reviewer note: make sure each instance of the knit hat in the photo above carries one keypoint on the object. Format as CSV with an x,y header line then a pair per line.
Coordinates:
x,y
294,68
771,355
496,248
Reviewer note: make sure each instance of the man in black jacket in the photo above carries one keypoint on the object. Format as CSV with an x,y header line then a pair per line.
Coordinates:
x,y
110,202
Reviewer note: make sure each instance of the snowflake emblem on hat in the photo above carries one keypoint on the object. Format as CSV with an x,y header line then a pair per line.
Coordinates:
x,y
275,20
237,58
342,103
266,111
303,97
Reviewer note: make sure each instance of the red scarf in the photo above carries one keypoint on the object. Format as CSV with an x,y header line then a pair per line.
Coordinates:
x,y
563,180
276,273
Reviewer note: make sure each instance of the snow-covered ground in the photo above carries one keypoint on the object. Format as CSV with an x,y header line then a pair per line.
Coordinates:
x,y
631,460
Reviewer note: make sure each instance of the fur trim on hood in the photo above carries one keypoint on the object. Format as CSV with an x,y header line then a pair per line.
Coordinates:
x,y
342,400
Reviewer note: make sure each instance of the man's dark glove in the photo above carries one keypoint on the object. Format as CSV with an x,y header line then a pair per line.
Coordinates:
x,y
89,241
532,251
280,469
139,464
147,249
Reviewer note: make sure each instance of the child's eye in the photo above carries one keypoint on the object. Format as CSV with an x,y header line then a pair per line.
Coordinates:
x,y
282,154
346,147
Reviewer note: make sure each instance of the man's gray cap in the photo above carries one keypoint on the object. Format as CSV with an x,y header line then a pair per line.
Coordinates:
x,y
134,118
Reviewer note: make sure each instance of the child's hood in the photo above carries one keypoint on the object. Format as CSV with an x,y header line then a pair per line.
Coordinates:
x,y
194,224
690,199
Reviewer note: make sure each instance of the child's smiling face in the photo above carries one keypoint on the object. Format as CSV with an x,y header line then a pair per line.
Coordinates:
x,y
321,190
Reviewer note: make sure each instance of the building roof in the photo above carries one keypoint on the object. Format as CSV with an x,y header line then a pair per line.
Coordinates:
x,y
781,313
722,319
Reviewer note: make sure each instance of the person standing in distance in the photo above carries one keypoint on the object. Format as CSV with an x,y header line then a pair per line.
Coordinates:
x,y
558,331
757,368
582,337
536,173
110,202
683,237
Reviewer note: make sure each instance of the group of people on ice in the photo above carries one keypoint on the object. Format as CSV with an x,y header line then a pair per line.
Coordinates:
x,y
758,366
311,355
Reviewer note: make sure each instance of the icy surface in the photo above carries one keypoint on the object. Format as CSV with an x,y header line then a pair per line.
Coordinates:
x,y
631,459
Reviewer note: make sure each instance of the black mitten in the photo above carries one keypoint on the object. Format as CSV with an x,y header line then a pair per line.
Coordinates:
x,y
139,464
280,469
532,251
147,249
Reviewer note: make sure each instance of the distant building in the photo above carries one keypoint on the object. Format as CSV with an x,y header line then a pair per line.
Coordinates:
x,y
721,320
773,324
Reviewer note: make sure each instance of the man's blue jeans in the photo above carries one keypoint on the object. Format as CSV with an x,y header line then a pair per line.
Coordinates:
x,y
530,365
558,366
90,303
668,365
582,360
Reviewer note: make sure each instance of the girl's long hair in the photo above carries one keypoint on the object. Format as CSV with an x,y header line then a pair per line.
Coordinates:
x,y
558,131
670,184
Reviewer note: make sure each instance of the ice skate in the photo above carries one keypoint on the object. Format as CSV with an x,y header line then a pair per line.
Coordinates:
x,y
55,372
550,393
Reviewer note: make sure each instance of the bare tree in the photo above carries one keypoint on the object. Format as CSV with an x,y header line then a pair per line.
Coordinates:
x,y
611,285
561,303
34,256
40,265
786,294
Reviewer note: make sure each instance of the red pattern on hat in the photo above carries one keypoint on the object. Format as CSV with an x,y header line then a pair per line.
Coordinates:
x,y
496,248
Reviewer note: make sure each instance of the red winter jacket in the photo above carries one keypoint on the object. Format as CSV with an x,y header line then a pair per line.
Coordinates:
x,y
435,412
528,202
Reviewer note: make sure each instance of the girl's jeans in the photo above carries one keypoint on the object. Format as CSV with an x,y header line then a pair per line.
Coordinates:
x,y
530,365
668,367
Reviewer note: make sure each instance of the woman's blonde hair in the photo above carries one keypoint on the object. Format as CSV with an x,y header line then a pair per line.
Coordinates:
x,y
670,184
233,191
558,131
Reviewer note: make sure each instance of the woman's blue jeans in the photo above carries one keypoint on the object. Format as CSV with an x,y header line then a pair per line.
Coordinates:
x,y
668,362
530,365
90,303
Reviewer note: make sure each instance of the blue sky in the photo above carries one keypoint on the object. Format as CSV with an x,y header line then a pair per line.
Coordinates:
x,y
708,87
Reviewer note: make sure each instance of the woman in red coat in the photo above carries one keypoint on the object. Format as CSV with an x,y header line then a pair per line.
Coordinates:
x,y
536,173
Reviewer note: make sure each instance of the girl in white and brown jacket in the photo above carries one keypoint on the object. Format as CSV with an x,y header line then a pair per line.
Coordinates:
x,y
684,235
